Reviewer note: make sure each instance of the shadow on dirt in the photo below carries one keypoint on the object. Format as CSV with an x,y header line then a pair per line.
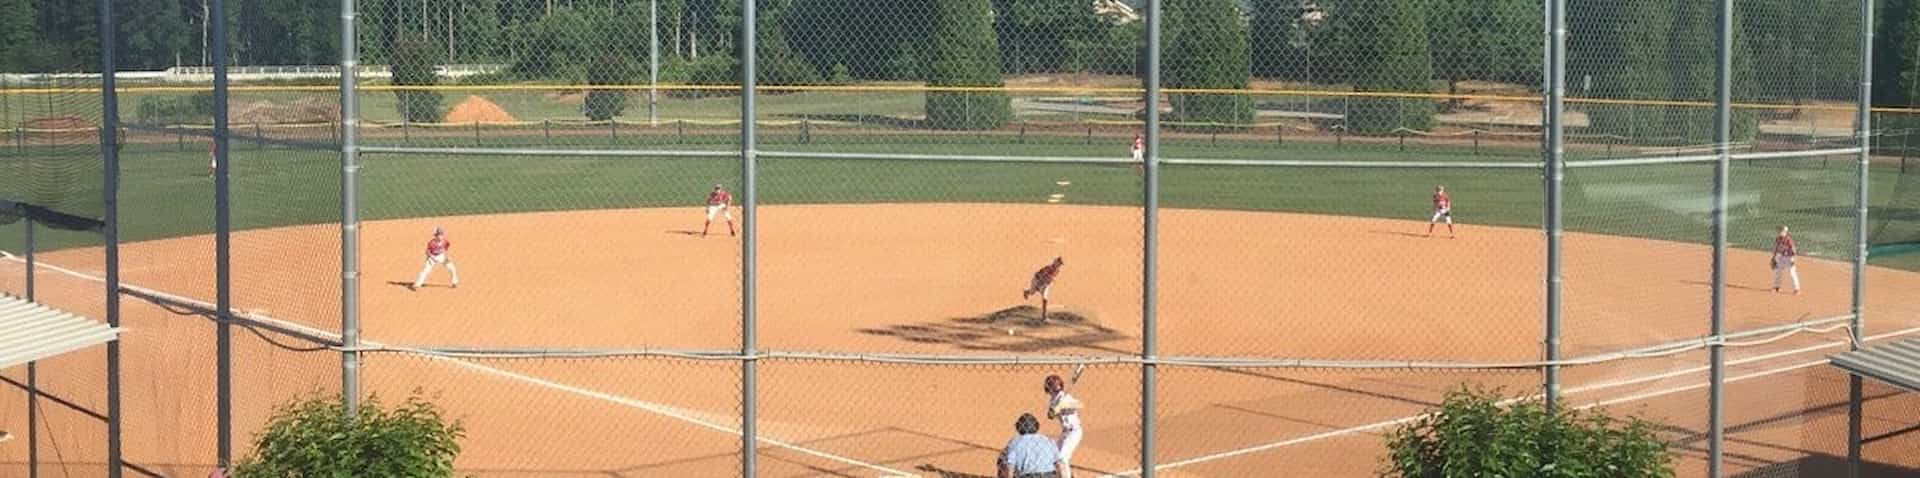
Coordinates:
x,y
1017,329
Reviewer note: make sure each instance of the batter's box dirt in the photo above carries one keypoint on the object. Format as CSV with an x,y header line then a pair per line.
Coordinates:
x,y
1017,329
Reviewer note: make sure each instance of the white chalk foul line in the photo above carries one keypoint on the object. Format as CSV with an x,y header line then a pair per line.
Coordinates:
x,y
1587,388
662,410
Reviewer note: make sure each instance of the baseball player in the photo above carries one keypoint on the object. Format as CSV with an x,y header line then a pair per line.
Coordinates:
x,y
1139,147
720,202
1062,406
1042,284
213,160
1442,208
437,254
1783,254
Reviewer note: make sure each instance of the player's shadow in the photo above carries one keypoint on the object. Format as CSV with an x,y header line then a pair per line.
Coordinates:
x,y
1398,233
404,284
683,232
990,331
1730,285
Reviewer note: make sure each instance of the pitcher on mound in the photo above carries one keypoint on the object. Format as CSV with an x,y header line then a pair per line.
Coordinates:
x,y
1042,284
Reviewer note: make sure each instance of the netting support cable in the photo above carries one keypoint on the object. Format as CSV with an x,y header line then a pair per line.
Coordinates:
x,y
1759,337
349,210
110,214
749,228
1555,161
1723,139
1863,134
222,244
1708,158
1150,243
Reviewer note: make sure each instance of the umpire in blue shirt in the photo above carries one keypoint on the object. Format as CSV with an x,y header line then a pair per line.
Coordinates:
x,y
1028,454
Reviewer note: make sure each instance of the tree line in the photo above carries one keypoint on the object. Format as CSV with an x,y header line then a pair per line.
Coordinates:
x,y
1786,50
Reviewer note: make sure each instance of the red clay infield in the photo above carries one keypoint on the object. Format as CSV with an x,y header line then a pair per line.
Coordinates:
x,y
943,279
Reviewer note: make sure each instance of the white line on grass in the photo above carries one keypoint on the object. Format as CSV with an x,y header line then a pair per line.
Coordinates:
x,y
662,410
1586,388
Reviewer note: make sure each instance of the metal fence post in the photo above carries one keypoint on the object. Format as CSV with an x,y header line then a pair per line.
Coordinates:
x,y
110,210
1150,239
1723,141
749,219
350,211
1863,134
1556,31
222,244
33,376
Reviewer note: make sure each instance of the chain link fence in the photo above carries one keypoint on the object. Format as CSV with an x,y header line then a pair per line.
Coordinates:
x,y
1333,213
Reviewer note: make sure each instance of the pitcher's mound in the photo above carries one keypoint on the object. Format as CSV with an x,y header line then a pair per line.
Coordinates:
x,y
477,109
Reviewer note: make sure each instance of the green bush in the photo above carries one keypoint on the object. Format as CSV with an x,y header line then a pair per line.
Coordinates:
x,y
609,69
1474,433
315,437
1207,49
964,52
413,66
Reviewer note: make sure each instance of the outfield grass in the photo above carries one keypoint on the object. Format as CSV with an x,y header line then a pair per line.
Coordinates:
x,y
165,191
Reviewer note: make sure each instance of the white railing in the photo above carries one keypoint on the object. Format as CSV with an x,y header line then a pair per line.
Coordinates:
x,y
201,74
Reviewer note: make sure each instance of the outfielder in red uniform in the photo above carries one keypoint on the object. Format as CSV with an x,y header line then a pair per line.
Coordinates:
x,y
719,202
1783,254
213,160
437,255
1042,284
1442,208
1139,147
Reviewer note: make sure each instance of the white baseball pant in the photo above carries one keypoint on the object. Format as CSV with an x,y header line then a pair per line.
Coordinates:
x,y
441,259
1783,266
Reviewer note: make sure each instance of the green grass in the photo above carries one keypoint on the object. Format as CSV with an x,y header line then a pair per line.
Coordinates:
x,y
165,191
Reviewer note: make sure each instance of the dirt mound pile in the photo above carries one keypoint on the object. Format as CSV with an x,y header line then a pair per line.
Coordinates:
x,y
476,109
304,110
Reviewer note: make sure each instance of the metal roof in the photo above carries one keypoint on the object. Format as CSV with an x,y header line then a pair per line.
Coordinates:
x,y
30,331
1896,363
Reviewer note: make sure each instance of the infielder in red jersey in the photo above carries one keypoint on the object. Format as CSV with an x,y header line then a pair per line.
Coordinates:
x,y
1783,254
437,254
1042,284
1442,208
720,202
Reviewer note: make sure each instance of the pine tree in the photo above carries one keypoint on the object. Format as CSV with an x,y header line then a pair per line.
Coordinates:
x,y
1207,48
413,65
1397,60
964,52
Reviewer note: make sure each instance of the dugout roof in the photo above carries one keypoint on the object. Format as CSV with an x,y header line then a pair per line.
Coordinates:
x,y
1896,363
30,331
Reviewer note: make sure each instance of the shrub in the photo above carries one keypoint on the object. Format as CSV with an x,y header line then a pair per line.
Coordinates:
x,y
170,110
315,437
413,66
964,52
609,69
1474,434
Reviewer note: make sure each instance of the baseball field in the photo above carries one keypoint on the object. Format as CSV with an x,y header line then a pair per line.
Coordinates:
x,y
865,262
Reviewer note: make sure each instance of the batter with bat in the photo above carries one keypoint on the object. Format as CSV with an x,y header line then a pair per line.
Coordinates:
x,y
1064,407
